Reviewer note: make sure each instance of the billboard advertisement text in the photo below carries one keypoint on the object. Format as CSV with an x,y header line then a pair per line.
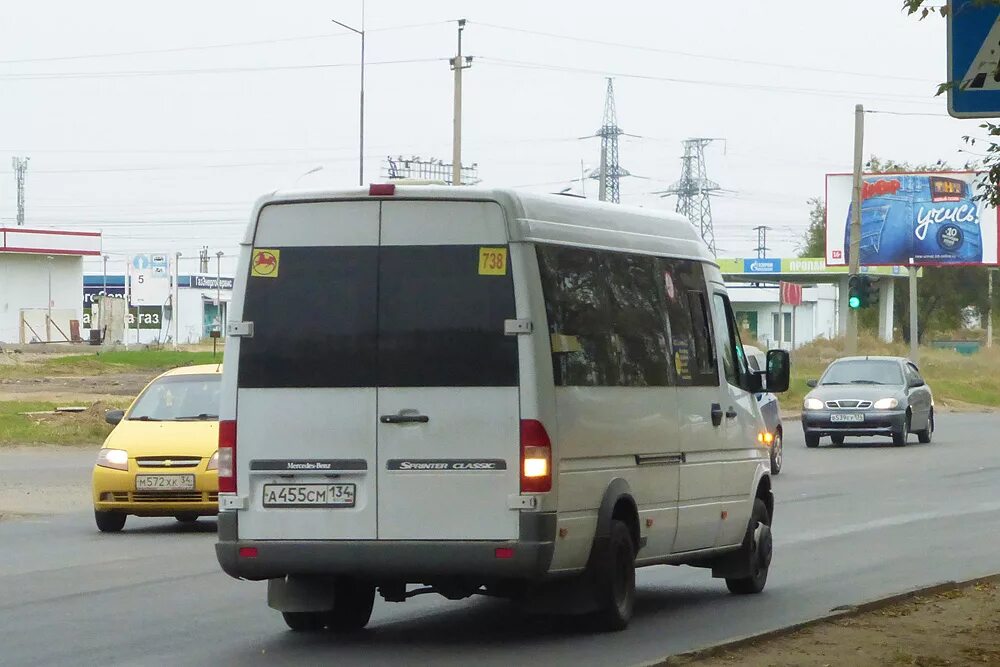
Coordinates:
x,y
921,219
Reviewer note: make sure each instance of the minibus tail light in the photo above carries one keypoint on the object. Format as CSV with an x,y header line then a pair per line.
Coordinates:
x,y
536,457
227,456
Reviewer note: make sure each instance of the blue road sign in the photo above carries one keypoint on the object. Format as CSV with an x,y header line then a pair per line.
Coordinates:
x,y
974,59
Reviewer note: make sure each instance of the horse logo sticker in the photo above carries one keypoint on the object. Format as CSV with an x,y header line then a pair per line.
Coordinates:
x,y
264,263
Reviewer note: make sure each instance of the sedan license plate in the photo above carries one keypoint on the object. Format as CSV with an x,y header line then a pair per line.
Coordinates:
x,y
164,482
309,495
847,417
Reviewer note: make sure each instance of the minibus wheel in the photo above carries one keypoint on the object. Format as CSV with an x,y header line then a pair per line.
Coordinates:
x,y
755,551
614,580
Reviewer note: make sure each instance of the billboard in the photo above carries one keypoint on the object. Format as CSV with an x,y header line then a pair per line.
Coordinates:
x,y
921,219
149,279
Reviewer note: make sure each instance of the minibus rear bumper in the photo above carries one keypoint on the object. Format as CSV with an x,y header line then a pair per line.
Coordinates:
x,y
528,557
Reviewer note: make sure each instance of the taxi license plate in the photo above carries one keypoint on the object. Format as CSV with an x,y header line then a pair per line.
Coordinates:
x,y
164,482
847,417
308,495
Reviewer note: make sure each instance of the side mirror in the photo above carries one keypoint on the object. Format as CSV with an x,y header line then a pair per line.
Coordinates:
x,y
811,384
755,383
114,417
916,383
779,367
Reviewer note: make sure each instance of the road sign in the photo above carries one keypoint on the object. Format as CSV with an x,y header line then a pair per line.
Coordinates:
x,y
149,280
973,59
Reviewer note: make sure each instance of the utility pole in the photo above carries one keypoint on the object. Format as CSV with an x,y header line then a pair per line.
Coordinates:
x,y
20,165
48,316
855,235
602,175
762,241
177,297
989,307
914,336
203,260
457,65
361,124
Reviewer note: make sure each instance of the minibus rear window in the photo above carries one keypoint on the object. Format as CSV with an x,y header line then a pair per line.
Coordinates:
x,y
396,316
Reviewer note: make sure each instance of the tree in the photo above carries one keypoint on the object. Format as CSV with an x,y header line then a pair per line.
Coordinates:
x,y
814,240
990,165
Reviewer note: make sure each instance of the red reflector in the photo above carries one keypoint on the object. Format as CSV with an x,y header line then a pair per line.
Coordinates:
x,y
504,552
382,189
248,552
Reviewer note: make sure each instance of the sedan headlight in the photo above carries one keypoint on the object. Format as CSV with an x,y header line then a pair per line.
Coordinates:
x,y
113,458
213,463
812,404
886,404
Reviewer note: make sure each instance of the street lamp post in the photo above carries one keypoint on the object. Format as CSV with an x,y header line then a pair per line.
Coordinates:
x,y
361,124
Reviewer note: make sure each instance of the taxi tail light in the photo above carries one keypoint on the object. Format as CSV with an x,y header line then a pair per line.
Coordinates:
x,y
227,456
536,457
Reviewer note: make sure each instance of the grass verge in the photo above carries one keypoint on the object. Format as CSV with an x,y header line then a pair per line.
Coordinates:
x,y
953,377
83,428
104,363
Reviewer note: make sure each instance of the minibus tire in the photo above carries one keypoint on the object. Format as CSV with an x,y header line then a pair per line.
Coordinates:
x,y
812,440
303,621
353,600
757,554
614,580
109,522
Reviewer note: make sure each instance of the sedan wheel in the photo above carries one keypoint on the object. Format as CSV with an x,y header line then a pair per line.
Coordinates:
x,y
924,437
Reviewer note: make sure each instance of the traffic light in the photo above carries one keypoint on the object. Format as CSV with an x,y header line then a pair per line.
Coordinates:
x,y
854,297
861,292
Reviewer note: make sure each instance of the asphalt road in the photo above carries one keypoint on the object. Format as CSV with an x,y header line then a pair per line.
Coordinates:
x,y
852,523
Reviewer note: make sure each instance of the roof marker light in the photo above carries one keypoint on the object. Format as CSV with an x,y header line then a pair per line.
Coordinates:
x,y
381,189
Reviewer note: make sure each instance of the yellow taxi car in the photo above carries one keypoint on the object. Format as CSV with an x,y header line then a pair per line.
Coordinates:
x,y
161,459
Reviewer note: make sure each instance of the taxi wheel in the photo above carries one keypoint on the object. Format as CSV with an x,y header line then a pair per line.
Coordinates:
x,y
109,522
186,518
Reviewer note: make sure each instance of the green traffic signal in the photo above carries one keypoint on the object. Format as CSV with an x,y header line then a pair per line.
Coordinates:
x,y
854,301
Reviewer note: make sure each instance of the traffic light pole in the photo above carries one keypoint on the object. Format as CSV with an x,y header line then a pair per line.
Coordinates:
x,y
855,235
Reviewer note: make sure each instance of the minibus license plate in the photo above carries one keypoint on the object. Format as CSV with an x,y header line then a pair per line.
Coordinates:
x,y
308,495
849,417
164,482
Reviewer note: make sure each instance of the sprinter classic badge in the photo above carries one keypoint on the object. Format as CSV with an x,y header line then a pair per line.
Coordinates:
x,y
264,263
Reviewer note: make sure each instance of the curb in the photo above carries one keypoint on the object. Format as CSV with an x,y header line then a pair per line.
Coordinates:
x,y
846,611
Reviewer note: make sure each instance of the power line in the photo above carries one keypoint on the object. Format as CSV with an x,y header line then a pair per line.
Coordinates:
x,y
822,92
205,47
41,76
908,113
701,56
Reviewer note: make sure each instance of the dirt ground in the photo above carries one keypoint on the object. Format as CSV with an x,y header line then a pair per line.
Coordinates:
x,y
61,388
955,627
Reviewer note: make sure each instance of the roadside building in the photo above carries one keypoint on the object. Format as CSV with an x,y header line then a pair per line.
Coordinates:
x,y
754,289
41,276
202,307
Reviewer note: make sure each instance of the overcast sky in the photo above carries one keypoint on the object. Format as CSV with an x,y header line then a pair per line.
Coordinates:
x,y
166,151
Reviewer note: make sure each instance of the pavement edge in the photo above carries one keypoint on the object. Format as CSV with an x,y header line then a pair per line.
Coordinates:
x,y
846,611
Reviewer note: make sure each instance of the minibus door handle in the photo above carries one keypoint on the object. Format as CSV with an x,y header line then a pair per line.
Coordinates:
x,y
731,413
716,414
404,419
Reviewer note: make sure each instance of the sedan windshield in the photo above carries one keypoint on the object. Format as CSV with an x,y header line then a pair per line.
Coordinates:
x,y
863,371
179,398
